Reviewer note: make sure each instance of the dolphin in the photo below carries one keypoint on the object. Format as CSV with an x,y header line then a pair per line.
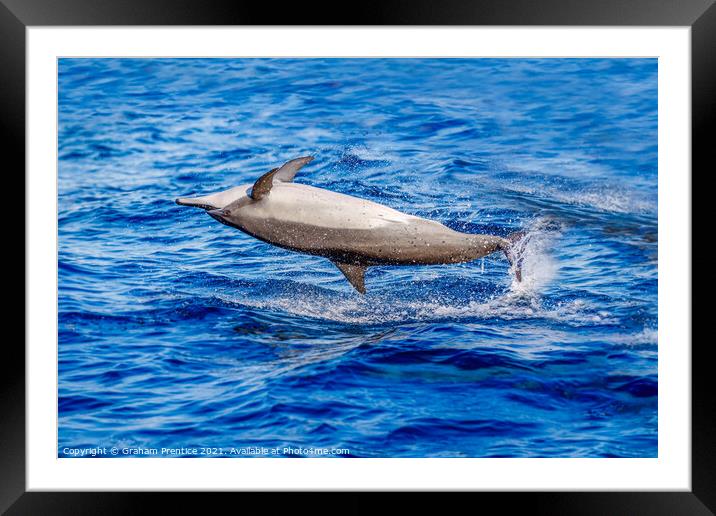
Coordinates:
x,y
353,233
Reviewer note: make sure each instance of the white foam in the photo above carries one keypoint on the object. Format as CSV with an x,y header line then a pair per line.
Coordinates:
x,y
606,199
522,300
646,336
375,310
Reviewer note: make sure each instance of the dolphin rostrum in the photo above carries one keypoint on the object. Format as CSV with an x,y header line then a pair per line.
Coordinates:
x,y
353,233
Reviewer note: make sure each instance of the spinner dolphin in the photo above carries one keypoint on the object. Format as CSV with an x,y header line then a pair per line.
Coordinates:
x,y
353,233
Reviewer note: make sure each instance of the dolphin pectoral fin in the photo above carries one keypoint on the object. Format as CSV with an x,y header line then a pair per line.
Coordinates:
x,y
355,274
263,185
288,170
285,173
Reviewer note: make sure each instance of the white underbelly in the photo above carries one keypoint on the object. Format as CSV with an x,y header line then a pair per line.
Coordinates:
x,y
303,204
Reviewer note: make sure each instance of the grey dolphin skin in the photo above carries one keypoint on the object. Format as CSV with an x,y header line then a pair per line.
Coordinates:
x,y
353,233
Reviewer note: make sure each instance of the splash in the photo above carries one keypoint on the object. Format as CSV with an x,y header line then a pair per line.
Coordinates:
x,y
522,300
382,309
538,265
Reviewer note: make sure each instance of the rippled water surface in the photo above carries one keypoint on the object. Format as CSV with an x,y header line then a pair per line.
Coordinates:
x,y
176,331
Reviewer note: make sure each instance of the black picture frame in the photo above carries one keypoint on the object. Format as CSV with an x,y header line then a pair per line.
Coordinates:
x,y
16,15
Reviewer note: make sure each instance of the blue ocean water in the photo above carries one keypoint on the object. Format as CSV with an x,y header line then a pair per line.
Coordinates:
x,y
178,332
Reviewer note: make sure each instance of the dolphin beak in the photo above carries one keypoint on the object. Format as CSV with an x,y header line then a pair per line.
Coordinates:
x,y
195,202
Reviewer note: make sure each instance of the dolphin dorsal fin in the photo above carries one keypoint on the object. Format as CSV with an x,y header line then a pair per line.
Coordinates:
x,y
355,274
285,173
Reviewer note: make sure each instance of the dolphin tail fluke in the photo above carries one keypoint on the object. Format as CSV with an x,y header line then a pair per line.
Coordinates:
x,y
514,252
355,274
